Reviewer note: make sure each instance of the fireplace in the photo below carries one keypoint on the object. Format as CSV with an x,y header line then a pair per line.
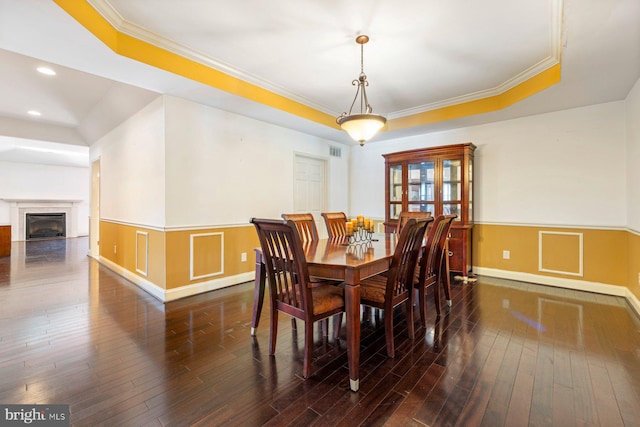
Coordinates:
x,y
45,225
20,208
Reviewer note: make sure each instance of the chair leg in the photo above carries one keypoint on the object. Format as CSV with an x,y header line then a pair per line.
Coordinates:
x,y
366,314
410,328
274,331
436,295
388,331
258,295
293,324
337,325
325,327
308,348
422,302
446,280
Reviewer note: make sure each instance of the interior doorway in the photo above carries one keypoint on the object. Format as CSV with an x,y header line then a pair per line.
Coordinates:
x,y
310,188
94,219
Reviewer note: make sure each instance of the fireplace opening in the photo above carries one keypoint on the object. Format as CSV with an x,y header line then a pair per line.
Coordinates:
x,y
45,226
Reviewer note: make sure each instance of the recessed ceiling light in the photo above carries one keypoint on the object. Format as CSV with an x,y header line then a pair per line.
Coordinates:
x,y
34,113
46,70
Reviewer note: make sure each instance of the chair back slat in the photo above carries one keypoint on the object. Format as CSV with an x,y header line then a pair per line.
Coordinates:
x,y
306,225
336,223
434,249
403,263
286,266
406,215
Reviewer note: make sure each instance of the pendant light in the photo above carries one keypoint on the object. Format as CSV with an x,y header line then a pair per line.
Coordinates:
x,y
363,125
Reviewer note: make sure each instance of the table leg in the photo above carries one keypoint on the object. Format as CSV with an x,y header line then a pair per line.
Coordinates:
x,y
258,294
352,308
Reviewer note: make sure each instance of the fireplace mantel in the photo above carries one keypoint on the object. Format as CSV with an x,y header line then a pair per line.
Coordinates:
x,y
21,207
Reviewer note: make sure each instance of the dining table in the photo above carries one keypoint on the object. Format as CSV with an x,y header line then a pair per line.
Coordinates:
x,y
337,259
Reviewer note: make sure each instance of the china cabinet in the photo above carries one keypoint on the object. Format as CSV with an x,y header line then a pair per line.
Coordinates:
x,y
437,180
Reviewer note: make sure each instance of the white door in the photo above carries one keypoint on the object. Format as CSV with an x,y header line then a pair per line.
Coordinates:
x,y
309,191
94,222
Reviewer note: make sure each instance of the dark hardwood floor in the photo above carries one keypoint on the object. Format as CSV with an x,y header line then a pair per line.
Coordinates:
x,y
508,354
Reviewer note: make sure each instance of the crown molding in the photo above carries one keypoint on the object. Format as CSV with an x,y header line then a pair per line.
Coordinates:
x,y
531,72
120,24
557,38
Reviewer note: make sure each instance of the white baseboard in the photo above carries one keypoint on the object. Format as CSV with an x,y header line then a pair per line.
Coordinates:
x,y
206,286
181,292
579,285
143,283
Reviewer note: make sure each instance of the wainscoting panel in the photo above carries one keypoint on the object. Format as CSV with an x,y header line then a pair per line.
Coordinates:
x,y
142,252
590,254
138,249
560,252
206,255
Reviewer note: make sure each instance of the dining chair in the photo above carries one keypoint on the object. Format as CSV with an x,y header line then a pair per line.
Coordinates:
x,y
386,291
405,215
290,287
336,223
432,267
306,225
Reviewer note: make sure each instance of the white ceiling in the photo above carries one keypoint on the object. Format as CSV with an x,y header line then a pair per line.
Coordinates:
x,y
423,54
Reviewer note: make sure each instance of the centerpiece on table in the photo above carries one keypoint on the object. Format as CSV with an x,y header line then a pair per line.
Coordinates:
x,y
360,229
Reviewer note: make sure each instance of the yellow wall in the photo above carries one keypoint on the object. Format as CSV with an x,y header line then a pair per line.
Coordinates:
x,y
209,251
118,245
604,251
609,256
633,252
216,252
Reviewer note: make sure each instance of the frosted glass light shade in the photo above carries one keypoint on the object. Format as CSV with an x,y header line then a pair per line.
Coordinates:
x,y
362,127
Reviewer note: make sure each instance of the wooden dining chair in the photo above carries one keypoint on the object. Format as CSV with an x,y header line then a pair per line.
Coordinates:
x,y
386,291
432,267
306,225
405,215
336,223
290,288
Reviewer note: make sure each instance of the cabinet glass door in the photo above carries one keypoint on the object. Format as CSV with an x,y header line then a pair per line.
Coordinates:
x,y
452,187
395,191
421,187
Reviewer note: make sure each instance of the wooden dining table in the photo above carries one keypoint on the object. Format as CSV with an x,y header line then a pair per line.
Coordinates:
x,y
334,259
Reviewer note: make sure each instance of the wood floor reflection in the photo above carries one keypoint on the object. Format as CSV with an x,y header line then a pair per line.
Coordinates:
x,y
508,354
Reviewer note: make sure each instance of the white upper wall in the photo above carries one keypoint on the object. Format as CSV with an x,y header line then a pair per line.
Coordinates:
x,y
132,169
632,119
561,168
223,168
